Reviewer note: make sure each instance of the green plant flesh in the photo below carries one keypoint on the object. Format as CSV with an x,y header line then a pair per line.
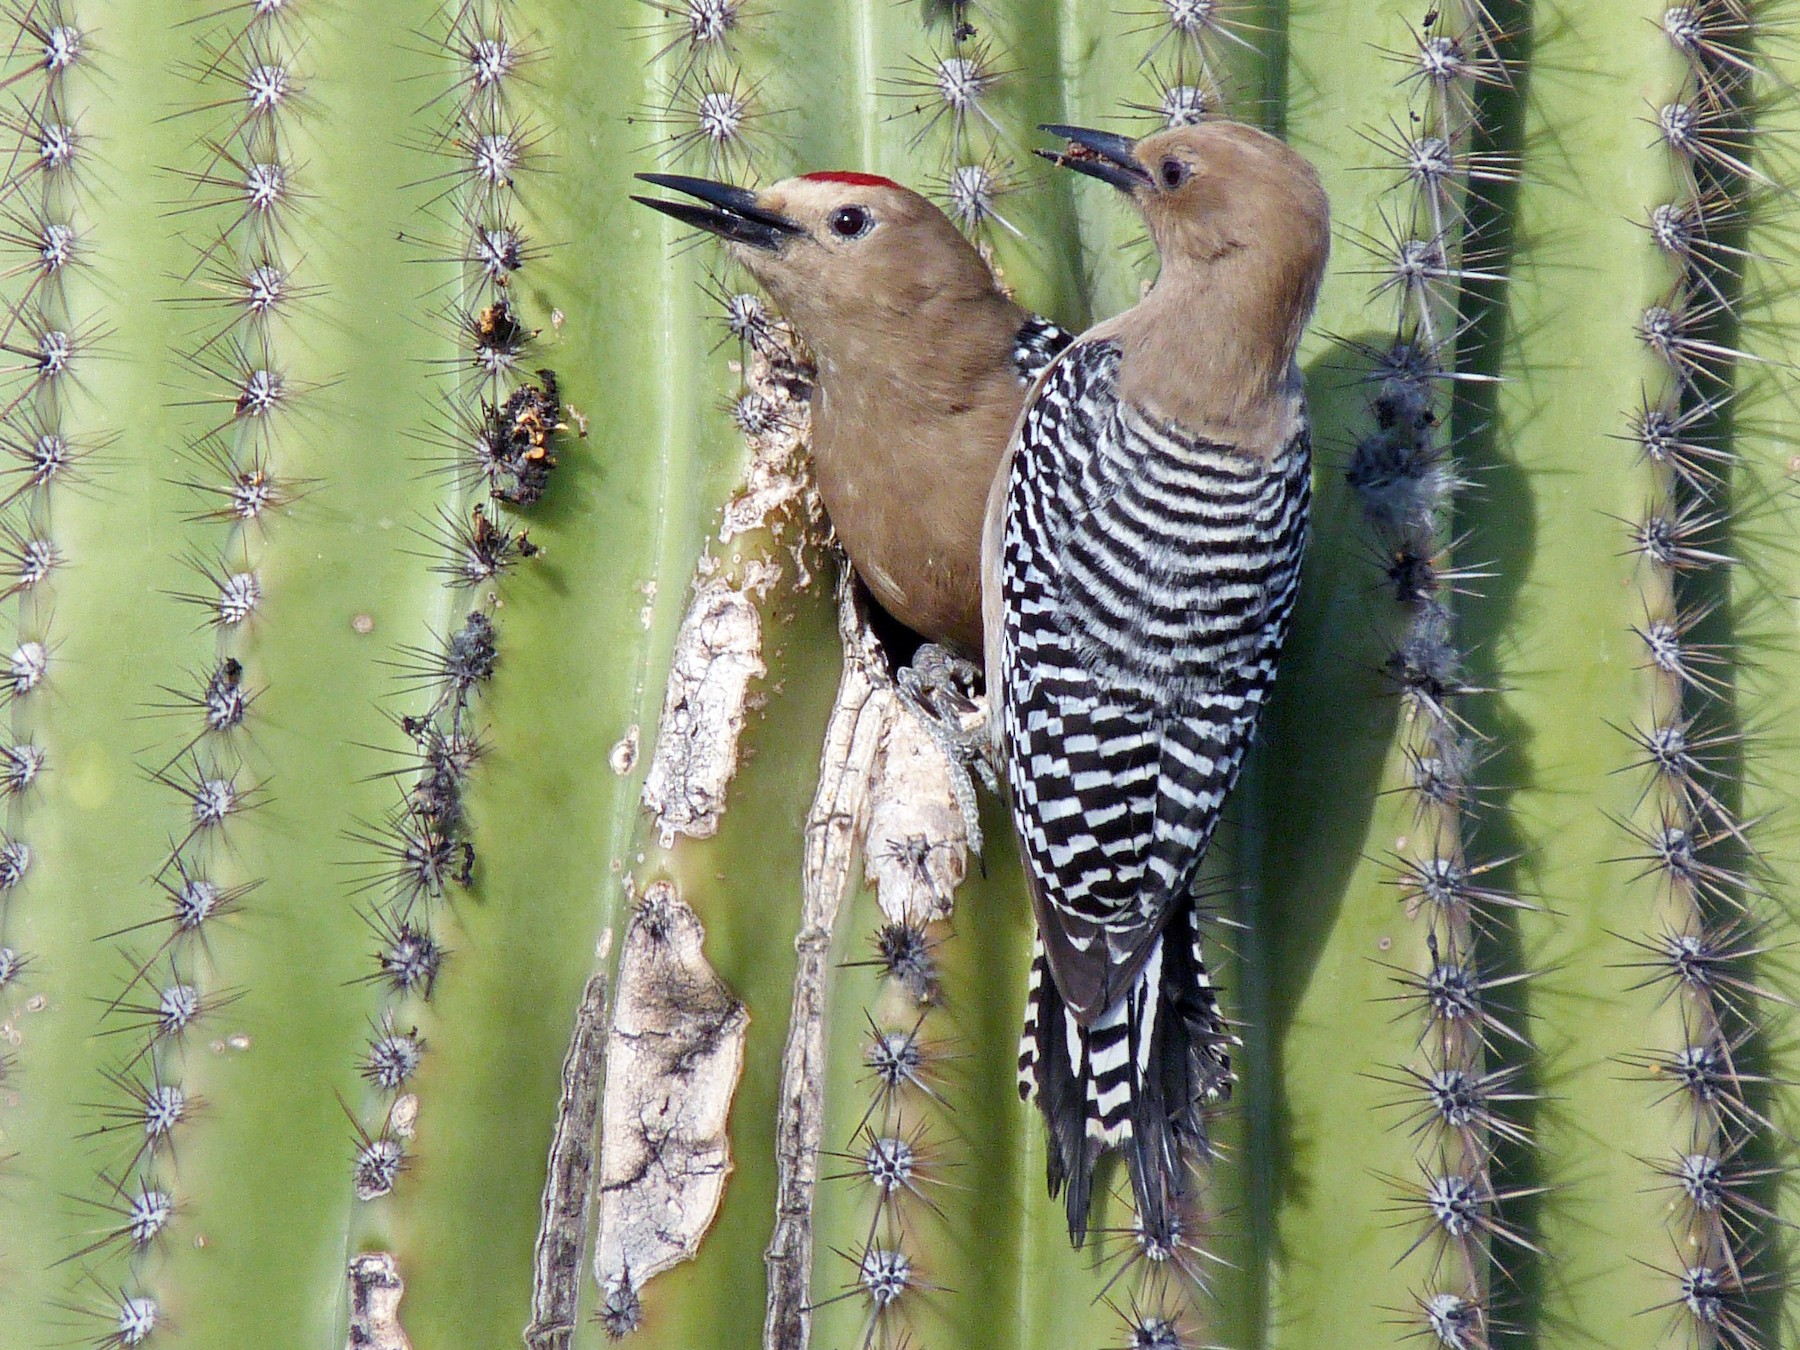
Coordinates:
x,y
367,450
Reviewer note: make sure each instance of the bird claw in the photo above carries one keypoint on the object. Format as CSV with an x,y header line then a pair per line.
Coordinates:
x,y
944,692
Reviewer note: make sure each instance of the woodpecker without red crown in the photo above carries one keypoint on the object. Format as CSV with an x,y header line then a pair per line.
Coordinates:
x,y
923,363
1141,556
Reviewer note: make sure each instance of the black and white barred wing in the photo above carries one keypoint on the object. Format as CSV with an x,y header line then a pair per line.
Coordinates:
x,y
1146,584
1038,342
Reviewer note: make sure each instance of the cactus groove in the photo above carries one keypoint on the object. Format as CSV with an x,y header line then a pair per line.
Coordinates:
x,y
366,450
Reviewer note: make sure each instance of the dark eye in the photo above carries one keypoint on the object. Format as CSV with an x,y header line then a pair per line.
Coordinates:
x,y
1172,172
849,221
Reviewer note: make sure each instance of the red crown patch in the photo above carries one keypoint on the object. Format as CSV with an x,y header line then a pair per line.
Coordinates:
x,y
852,179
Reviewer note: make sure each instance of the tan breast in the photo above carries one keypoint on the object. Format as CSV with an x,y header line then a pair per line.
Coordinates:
x,y
906,488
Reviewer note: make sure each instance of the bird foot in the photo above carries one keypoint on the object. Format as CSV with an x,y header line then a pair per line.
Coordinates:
x,y
945,693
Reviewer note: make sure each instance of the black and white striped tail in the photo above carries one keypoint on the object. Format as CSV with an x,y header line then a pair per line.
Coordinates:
x,y
1138,1079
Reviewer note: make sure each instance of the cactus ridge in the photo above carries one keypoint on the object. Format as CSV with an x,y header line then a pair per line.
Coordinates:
x,y
1432,262
494,453
46,347
1703,951
236,404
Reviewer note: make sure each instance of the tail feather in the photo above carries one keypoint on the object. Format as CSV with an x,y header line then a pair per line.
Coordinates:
x,y
1045,1076
1138,1078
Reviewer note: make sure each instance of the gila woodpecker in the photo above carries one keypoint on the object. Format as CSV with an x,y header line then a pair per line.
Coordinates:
x,y
1142,550
923,363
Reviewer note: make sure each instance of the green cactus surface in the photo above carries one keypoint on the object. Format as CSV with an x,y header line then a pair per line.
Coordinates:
x,y
417,628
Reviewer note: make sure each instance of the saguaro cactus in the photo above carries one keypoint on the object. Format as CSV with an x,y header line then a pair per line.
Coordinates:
x,y
441,770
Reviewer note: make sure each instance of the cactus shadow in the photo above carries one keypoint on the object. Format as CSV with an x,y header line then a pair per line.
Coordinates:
x,y
1330,730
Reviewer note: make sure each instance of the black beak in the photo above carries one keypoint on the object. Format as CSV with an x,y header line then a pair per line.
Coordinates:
x,y
1099,154
738,217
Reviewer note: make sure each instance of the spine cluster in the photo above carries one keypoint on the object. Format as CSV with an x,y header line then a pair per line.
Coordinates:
x,y
1462,1100
892,1156
1689,839
1189,56
498,446
947,96
709,114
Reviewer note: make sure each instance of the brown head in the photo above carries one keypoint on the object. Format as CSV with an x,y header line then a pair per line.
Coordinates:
x,y
917,389
848,258
1244,230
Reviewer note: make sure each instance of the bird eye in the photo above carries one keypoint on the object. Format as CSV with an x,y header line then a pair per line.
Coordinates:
x,y
847,222
1172,172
